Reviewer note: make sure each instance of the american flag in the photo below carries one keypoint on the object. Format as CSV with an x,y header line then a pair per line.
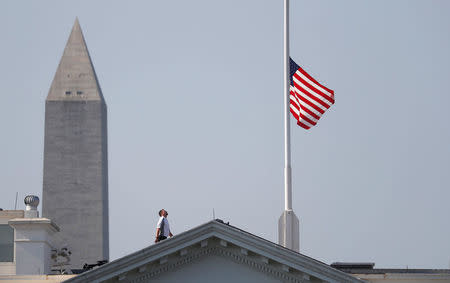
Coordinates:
x,y
308,98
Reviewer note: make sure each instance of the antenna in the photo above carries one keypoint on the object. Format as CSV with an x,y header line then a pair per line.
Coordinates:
x,y
214,214
15,205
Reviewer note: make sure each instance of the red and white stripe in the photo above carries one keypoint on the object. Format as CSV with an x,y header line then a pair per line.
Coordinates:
x,y
308,99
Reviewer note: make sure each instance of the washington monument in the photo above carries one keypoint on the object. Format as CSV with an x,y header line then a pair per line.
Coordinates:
x,y
75,187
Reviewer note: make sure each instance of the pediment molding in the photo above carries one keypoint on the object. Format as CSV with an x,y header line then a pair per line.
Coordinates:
x,y
235,254
214,238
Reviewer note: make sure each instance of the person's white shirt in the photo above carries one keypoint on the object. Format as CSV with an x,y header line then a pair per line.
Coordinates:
x,y
166,229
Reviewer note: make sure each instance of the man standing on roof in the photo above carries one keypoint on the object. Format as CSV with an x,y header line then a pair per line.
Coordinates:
x,y
162,228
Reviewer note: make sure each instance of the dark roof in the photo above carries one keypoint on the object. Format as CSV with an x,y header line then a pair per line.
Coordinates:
x,y
353,265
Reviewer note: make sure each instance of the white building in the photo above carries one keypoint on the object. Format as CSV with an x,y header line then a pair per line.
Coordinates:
x,y
215,252
29,246
30,251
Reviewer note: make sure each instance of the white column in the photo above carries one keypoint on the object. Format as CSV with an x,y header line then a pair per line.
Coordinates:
x,y
33,242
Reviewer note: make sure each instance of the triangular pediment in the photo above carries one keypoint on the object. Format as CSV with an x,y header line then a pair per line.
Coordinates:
x,y
215,249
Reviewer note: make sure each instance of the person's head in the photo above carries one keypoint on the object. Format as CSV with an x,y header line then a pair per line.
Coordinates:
x,y
163,212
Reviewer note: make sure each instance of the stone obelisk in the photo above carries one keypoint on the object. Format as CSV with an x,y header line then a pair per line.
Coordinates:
x,y
75,187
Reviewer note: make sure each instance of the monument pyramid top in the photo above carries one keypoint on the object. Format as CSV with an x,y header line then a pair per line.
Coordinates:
x,y
75,78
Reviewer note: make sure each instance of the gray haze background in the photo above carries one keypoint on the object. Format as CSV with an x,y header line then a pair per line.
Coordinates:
x,y
195,106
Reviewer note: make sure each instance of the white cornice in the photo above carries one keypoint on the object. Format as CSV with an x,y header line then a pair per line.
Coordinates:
x,y
30,223
405,276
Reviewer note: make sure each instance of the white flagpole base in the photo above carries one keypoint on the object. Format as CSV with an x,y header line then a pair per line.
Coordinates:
x,y
289,231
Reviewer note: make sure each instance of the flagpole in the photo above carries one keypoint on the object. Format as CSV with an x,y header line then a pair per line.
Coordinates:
x,y
287,128
288,224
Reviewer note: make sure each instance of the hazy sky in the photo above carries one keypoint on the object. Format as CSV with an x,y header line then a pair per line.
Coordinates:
x,y
195,118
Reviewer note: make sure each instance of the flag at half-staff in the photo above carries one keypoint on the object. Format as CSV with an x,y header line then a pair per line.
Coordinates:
x,y
308,98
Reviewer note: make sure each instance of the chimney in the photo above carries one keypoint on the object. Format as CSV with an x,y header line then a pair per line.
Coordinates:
x,y
34,238
31,203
